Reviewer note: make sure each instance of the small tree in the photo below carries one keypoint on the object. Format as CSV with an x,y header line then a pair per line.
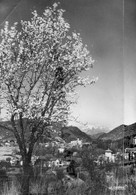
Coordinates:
x,y
40,67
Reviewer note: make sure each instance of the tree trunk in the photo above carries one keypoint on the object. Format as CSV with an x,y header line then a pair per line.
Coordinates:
x,y
27,171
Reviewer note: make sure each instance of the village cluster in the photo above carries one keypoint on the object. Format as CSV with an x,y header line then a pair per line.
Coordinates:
x,y
65,155
60,146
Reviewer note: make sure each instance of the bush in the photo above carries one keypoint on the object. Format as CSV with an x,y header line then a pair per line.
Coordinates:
x,y
4,164
3,178
12,190
96,180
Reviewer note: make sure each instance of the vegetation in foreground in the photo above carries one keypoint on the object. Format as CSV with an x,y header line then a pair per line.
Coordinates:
x,y
83,177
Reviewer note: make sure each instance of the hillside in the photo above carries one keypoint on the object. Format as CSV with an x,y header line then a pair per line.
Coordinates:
x,y
120,132
115,134
72,133
130,130
97,135
68,133
96,130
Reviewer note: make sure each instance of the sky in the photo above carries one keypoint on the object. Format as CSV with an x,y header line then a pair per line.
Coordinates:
x,y
108,27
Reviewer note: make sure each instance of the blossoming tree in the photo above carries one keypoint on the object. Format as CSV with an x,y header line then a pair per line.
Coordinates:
x,y
40,66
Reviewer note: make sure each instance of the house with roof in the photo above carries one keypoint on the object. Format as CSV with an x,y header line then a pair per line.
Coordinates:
x,y
61,150
109,156
130,153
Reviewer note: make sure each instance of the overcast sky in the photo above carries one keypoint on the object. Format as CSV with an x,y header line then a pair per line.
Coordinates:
x,y
112,100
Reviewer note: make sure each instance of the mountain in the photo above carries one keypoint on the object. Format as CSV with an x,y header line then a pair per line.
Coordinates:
x,y
120,132
71,133
68,133
95,130
130,130
97,135
115,134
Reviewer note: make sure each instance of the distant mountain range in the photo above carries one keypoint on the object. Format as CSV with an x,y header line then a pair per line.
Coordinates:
x,y
95,130
67,133
72,133
97,135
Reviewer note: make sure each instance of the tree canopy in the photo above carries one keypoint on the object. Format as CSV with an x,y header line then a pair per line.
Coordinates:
x,y
41,63
40,66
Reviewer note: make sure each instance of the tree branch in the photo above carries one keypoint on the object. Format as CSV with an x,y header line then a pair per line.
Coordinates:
x,y
13,100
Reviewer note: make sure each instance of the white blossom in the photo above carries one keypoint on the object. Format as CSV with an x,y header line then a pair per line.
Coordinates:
x,y
29,60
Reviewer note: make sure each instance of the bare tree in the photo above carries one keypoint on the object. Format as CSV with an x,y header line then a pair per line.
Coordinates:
x,y
40,66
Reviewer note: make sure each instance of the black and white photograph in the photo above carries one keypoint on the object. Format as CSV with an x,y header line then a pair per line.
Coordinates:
x,y
67,97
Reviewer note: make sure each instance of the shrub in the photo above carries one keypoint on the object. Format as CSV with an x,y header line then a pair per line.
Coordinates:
x,y
96,179
3,178
12,190
4,164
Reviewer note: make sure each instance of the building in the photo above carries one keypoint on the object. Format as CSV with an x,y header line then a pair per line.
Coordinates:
x,y
134,141
77,143
131,153
109,156
61,150
108,153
